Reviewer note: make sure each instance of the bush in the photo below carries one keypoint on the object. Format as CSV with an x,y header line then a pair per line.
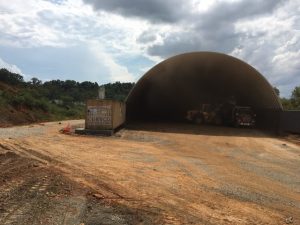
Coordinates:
x,y
42,104
26,99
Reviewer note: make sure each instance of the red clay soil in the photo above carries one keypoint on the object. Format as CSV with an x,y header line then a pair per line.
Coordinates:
x,y
149,174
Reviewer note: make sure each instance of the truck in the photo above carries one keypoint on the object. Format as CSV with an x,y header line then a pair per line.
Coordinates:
x,y
242,116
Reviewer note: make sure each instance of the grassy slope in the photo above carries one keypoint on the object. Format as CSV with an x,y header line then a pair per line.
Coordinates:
x,y
19,114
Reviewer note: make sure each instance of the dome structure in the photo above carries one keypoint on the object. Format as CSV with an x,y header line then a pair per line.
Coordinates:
x,y
184,82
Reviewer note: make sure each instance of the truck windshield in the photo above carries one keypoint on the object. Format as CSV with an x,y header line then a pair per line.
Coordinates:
x,y
245,110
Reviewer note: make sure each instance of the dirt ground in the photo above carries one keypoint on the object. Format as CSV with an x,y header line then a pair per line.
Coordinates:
x,y
148,174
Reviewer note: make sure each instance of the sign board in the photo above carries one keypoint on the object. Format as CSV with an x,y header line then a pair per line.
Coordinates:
x,y
100,115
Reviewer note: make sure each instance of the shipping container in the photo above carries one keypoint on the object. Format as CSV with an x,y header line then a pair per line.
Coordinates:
x,y
104,114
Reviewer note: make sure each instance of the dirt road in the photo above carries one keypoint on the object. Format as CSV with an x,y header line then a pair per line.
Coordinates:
x,y
162,174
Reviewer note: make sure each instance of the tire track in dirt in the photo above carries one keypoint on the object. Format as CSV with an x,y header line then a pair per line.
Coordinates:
x,y
20,197
200,181
107,191
32,193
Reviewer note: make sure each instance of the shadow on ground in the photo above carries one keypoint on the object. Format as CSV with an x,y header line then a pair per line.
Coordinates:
x,y
187,128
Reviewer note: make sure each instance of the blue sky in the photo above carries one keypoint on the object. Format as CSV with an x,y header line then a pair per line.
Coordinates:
x,y
119,40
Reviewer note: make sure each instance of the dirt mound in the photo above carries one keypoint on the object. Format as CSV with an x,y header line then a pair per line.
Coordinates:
x,y
11,116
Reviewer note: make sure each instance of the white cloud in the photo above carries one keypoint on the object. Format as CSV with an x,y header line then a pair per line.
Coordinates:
x,y
41,23
11,67
271,44
264,33
117,72
36,24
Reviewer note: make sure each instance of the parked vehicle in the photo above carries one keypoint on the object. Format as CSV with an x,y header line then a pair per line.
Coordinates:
x,y
208,114
243,116
223,114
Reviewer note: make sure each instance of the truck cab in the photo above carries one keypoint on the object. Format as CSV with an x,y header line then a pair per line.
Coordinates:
x,y
243,116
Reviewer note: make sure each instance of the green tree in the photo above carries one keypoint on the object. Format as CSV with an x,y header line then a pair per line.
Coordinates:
x,y
286,104
43,99
35,81
295,98
10,78
117,90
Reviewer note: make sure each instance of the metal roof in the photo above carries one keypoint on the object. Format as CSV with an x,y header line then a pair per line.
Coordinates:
x,y
186,81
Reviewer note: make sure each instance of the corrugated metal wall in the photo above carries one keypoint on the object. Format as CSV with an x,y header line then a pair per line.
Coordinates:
x,y
269,119
290,121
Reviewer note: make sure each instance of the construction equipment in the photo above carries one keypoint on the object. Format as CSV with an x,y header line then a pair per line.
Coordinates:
x,y
223,114
209,114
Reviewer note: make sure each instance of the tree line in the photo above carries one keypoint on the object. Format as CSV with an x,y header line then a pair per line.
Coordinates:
x,y
58,97
68,97
292,102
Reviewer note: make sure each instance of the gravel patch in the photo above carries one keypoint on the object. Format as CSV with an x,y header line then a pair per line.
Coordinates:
x,y
137,157
23,131
243,194
291,180
142,137
202,166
